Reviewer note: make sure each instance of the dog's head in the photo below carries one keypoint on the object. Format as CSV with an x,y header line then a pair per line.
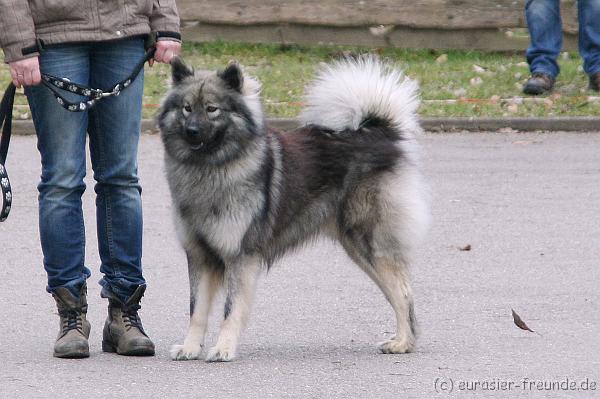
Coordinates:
x,y
209,116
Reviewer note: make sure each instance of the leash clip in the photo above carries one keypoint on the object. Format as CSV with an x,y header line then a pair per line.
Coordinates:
x,y
115,92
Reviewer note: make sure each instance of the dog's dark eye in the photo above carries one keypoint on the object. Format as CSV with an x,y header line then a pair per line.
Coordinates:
x,y
210,109
187,108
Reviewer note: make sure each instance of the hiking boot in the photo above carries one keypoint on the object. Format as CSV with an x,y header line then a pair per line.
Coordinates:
x,y
123,331
72,340
538,83
595,81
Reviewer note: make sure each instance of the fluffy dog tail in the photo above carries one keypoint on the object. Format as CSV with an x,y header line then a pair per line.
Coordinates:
x,y
354,92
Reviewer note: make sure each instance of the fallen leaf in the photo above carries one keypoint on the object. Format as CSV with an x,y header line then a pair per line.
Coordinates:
x,y
476,81
519,322
478,69
442,58
465,248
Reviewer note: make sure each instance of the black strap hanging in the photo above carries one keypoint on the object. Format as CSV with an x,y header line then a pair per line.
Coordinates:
x,y
6,107
53,83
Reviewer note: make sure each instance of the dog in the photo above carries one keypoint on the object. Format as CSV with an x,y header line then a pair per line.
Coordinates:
x,y
244,194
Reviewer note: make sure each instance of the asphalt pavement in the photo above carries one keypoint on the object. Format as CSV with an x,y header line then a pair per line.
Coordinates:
x,y
527,204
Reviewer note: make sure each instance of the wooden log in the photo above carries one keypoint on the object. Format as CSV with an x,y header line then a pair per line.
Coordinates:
x,y
431,14
465,39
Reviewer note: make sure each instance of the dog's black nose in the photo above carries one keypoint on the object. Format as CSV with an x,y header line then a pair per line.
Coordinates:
x,y
192,131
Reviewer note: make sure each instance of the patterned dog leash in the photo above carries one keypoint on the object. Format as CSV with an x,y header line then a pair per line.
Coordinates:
x,y
6,107
54,84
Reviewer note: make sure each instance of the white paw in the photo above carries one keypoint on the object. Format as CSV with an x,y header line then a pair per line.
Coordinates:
x,y
396,346
220,354
183,352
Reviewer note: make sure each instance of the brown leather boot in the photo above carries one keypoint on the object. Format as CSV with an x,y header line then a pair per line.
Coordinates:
x,y
123,331
538,83
72,340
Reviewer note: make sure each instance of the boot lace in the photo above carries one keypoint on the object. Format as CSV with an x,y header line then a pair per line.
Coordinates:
x,y
131,317
72,319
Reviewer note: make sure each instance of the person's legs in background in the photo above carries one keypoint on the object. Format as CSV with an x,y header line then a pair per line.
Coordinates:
x,y
545,29
589,39
114,129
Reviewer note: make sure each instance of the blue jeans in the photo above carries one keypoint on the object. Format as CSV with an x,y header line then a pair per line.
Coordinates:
x,y
545,29
113,126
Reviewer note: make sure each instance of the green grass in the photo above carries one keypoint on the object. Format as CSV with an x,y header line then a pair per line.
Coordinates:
x,y
446,87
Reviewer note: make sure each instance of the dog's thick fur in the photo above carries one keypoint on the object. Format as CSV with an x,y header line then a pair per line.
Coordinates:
x,y
244,194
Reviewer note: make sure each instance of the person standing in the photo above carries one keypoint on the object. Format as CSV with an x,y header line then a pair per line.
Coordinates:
x,y
545,28
96,44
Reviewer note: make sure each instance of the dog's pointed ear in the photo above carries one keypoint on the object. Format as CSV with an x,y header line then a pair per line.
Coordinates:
x,y
232,76
179,70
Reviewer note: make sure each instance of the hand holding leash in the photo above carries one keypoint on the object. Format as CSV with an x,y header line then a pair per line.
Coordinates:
x,y
165,51
25,72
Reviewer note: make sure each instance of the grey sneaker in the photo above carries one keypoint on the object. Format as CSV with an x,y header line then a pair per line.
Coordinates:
x,y
539,83
72,340
123,331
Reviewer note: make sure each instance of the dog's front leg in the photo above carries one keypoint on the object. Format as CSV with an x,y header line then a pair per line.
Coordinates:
x,y
205,280
240,285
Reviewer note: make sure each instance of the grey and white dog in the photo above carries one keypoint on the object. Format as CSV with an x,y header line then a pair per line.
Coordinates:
x,y
244,194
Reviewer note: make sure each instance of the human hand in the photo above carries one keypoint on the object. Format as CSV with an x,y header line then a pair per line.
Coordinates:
x,y
25,72
165,51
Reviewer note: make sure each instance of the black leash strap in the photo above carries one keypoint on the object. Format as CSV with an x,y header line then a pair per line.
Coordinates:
x,y
6,108
53,83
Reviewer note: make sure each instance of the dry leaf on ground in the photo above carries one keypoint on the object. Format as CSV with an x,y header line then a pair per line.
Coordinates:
x,y
519,322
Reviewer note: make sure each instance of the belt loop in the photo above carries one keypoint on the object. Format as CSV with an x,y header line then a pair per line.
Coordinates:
x,y
40,44
38,47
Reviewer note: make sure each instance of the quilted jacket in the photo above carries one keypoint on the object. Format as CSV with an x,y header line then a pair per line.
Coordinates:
x,y
25,25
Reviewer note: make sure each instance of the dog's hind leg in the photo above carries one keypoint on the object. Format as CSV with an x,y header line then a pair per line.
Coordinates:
x,y
392,278
206,277
380,226
240,282
378,233
390,273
